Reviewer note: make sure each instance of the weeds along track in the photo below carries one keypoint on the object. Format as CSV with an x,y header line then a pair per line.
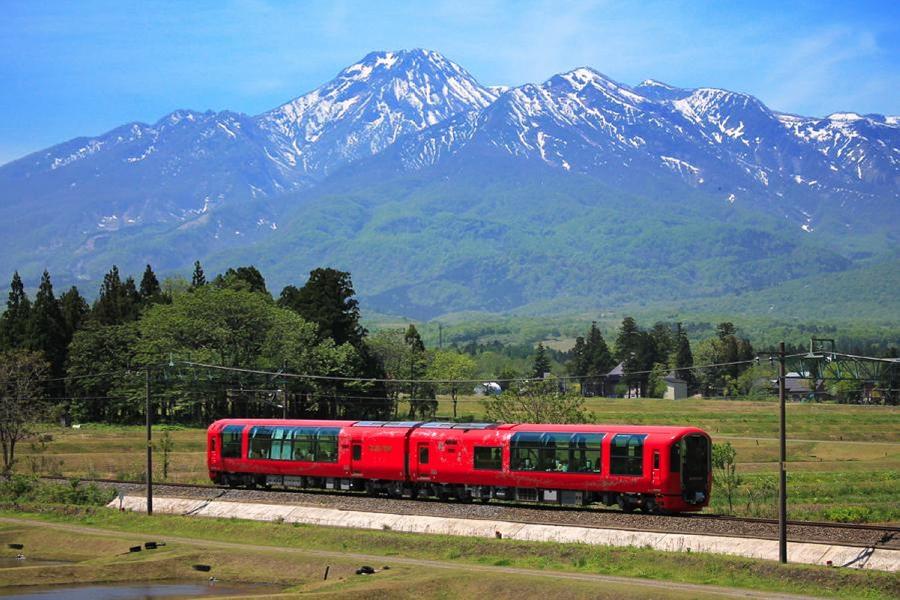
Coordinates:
x,y
846,534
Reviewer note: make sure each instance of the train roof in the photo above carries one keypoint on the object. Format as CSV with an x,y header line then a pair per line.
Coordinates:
x,y
608,428
668,430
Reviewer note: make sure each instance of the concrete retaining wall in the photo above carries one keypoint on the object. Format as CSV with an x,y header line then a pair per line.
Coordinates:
x,y
816,554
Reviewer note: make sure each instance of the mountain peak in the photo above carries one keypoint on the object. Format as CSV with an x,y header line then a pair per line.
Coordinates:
x,y
369,105
656,84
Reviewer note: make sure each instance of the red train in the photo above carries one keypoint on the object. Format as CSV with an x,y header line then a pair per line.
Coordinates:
x,y
654,469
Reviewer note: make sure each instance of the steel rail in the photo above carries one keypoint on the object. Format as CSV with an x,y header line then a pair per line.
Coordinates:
x,y
888,528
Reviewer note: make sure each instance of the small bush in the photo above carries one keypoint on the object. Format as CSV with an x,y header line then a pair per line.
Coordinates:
x,y
849,514
21,488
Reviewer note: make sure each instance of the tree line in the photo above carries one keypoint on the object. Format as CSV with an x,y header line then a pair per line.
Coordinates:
x,y
92,355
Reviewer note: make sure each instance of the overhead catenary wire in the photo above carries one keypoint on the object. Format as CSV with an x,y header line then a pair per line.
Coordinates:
x,y
164,366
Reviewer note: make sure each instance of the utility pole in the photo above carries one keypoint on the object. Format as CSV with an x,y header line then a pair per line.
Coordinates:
x,y
440,336
149,445
782,459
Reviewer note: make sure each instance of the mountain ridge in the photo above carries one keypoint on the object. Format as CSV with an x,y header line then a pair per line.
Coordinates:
x,y
212,184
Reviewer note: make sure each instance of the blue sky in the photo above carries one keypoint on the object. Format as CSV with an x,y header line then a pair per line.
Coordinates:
x,y
81,68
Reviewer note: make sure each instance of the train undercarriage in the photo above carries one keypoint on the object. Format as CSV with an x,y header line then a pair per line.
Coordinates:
x,y
628,502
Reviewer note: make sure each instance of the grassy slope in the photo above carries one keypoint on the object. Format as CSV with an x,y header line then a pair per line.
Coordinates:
x,y
285,555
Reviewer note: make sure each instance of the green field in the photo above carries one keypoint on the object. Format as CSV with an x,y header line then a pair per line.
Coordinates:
x,y
293,558
843,460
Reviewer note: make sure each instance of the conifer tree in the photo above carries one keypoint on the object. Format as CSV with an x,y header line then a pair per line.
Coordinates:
x,y
150,291
14,322
198,279
47,328
681,357
74,309
577,364
328,300
598,361
636,350
422,396
242,278
118,302
597,354
541,363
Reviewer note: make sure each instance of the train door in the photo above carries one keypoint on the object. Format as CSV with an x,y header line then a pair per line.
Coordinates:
x,y
654,471
695,468
356,455
423,460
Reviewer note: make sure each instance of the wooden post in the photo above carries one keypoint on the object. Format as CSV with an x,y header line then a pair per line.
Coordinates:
x,y
782,459
149,444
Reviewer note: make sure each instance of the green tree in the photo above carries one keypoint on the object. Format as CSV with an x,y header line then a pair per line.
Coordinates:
x,y
243,278
14,322
118,301
577,363
150,290
98,358
598,360
663,342
541,364
681,358
422,399
537,402
637,350
656,385
22,401
725,475
453,369
198,279
47,328
74,309
223,326
292,344
731,354
328,300
174,285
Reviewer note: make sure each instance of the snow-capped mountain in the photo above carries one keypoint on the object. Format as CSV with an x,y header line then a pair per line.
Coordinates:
x,y
582,121
195,184
368,107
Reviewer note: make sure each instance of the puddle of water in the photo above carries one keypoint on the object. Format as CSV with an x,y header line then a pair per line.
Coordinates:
x,y
146,591
12,563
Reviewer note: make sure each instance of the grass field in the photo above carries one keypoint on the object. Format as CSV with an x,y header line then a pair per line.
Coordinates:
x,y
293,558
844,460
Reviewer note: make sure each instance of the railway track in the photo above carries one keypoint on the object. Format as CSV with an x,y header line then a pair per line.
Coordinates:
x,y
848,534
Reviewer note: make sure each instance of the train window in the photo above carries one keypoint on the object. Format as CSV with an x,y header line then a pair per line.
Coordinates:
x,y
281,443
627,454
357,451
524,451
585,452
554,454
327,444
489,458
423,455
696,456
656,459
675,458
260,443
231,441
304,447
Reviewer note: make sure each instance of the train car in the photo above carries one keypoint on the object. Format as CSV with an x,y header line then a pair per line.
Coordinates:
x,y
655,469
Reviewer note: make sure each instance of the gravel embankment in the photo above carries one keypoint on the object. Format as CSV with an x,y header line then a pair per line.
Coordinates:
x,y
581,517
